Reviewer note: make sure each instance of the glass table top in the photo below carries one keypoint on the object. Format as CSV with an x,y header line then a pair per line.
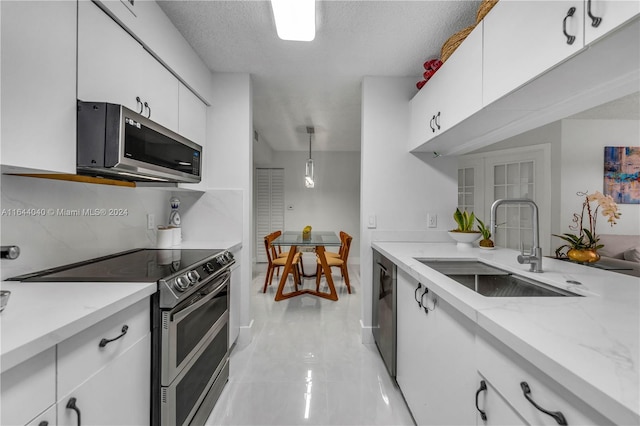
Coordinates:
x,y
317,238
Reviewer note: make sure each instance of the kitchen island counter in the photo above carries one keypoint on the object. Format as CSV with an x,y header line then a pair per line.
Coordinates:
x,y
589,344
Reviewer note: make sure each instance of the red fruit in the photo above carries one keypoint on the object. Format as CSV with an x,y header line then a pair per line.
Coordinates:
x,y
428,74
436,65
427,65
420,84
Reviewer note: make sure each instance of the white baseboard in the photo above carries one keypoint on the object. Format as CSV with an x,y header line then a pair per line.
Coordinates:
x,y
246,335
367,334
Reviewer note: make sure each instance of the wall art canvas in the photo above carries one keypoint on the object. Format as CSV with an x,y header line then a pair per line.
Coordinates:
x,y
622,173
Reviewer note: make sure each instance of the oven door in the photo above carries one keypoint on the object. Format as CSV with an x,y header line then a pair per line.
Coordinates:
x,y
189,327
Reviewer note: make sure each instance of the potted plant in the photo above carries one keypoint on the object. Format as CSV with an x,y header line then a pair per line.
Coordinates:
x,y
583,246
486,241
464,234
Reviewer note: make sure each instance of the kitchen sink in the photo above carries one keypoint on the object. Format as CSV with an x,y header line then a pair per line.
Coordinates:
x,y
491,281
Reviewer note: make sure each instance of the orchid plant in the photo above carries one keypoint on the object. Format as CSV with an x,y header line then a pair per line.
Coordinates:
x,y
586,237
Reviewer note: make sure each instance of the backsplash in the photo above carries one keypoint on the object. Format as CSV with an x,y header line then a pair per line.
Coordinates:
x,y
59,222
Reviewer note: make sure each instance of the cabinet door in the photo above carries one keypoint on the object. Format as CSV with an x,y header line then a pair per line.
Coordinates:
x,y
119,394
438,373
608,15
113,67
451,95
235,298
192,116
524,39
48,418
38,86
28,389
412,336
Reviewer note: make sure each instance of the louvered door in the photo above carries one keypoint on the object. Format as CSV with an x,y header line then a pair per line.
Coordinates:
x,y
269,189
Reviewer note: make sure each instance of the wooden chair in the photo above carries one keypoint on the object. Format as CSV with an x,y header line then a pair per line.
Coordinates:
x,y
275,262
340,262
329,254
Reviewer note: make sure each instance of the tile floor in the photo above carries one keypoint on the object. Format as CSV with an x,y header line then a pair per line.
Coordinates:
x,y
307,365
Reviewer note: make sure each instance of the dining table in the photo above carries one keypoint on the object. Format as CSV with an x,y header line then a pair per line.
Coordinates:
x,y
317,239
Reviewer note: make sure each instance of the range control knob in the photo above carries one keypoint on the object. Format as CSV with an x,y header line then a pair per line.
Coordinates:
x,y
182,283
193,276
208,267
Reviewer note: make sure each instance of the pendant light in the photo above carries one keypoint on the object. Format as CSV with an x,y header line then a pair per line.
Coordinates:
x,y
308,174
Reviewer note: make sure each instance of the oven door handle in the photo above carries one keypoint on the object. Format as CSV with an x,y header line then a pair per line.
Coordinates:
x,y
177,317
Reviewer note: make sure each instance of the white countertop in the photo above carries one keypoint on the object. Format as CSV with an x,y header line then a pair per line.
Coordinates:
x,y
40,315
588,344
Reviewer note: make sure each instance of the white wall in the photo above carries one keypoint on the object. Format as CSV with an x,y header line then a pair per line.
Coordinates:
x,y
230,136
55,239
396,186
334,203
583,143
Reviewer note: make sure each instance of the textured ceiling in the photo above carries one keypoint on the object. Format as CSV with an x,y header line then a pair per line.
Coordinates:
x,y
318,83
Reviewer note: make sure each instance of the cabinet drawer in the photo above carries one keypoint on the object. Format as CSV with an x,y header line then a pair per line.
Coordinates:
x,y
28,389
505,370
80,356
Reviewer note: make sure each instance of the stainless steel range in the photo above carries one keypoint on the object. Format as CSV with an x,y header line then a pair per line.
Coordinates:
x,y
190,322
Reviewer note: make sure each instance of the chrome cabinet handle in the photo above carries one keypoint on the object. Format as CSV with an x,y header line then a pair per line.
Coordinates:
x,y
43,423
433,129
146,105
415,295
71,405
105,342
595,20
437,117
139,102
570,38
557,415
483,387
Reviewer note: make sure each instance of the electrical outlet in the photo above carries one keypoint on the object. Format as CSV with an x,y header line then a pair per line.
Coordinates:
x,y
372,221
151,221
432,220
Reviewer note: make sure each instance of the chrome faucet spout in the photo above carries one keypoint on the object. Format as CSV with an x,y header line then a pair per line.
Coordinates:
x,y
535,257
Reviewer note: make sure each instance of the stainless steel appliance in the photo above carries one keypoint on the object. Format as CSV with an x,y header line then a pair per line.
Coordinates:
x,y
384,309
117,142
190,322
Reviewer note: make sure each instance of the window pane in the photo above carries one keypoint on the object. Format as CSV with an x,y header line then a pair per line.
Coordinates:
x,y
468,177
513,173
499,175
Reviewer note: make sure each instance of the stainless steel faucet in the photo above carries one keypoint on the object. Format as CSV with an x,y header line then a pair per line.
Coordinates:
x,y
534,258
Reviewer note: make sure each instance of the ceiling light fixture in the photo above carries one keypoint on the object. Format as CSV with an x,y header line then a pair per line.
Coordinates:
x,y
308,174
295,19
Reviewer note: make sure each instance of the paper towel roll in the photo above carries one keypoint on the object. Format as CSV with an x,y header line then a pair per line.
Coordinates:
x,y
164,237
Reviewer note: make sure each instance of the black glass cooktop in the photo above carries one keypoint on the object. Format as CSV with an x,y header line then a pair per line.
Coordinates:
x,y
141,265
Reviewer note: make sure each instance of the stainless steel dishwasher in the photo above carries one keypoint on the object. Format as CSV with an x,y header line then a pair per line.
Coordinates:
x,y
384,309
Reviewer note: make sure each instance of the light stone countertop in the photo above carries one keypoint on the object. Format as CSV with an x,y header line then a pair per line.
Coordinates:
x,y
588,344
40,315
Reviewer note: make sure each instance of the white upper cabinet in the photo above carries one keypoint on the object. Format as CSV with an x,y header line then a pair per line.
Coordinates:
x,y
38,86
192,116
451,95
602,16
146,21
524,39
113,67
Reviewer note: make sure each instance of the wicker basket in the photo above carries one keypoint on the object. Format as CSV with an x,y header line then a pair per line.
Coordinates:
x,y
484,8
453,42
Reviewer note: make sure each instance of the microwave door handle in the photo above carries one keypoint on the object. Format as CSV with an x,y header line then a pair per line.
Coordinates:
x,y
180,315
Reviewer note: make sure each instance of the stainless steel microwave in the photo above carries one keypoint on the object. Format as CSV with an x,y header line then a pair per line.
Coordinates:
x,y
114,141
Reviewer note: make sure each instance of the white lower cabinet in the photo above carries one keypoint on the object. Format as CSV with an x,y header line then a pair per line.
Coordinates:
x,y
119,394
508,376
29,389
435,360
492,408
106,370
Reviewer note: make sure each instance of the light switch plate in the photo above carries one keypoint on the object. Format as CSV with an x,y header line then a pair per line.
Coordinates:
x,y
151,221
371,224
432,220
